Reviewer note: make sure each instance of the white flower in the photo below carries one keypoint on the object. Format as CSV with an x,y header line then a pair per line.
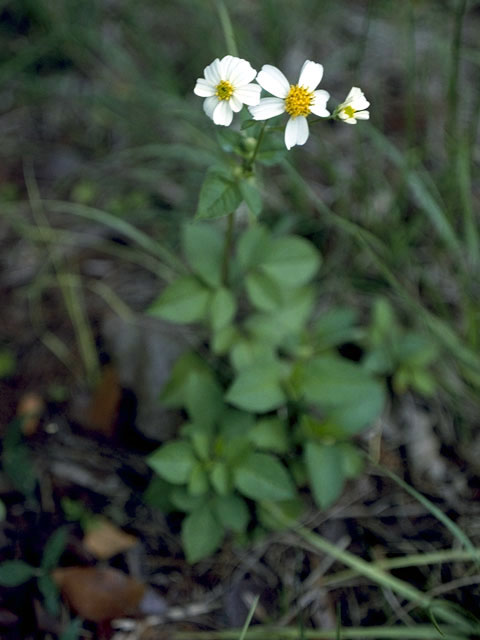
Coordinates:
x,y
298,100
226,87
354,107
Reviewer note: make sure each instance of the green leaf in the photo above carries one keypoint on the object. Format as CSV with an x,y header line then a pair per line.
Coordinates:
x,y
183,301
7,363
220,478
50,593
344,390
173,461
15,572
262,477
223,340
325,472
247,124
246,352
202,533
198,482
157,494
251,245
18,465
200,435
203,247
334,327
175,392
251,195
219,196
222,308
290,260
263,291
291,509
232,512
184,501
270,434
203,397
257,388
54,548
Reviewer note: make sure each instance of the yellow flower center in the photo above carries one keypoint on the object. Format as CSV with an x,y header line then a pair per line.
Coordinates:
x,y
224,90
349,111
298,101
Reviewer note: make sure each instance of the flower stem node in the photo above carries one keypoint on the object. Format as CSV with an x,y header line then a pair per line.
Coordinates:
x,y
226,86
353,108
298,100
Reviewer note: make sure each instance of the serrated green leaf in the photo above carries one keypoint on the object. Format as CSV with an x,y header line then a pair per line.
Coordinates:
x,y
257,388
222,308
223,340
184,501
157,494
173,461
246,352
325,472
175,392
219,196
202,533
183,301
15,572
344,390
291,509
203,247
290,260
232,512
54,548
263,292
262,477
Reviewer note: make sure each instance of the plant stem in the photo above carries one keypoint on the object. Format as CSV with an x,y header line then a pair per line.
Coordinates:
x,y
251,162
227,252
227,28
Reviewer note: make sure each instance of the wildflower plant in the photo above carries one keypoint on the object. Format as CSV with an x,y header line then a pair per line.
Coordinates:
x,y
271,406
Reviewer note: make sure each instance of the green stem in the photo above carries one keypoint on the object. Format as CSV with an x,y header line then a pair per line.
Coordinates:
x,y
227,28
251,162
227,251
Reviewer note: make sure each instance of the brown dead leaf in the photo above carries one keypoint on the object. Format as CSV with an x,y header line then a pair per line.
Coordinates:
x,y
30,409
104,540
99,594
102,413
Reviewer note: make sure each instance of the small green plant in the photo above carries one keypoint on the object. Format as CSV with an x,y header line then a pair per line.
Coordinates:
x,y
14,573
271,405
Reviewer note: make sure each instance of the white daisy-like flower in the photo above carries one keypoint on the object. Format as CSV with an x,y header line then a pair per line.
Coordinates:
x,y
298,100
226,87
354,108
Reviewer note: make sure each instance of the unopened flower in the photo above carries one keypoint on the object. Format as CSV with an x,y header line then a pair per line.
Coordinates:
x,y
354,108
298,100
226,87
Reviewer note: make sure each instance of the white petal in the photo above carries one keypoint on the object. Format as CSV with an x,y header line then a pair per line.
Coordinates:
x,y
356,98
212,72
225,65
296,131
351,121
273,81
362,115
209,105
249,94
223,113
310,75
242,73
235,104
203,88
267,108
319,106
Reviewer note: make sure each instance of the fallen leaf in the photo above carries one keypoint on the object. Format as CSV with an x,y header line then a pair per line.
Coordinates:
x,y
30,409
104,540
102,413
99,594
